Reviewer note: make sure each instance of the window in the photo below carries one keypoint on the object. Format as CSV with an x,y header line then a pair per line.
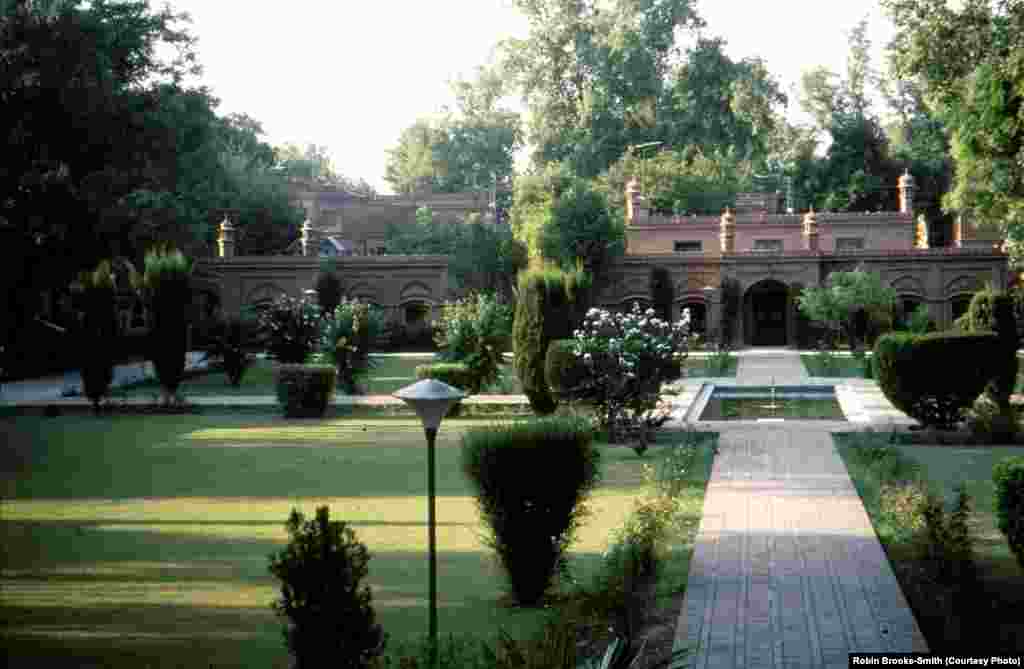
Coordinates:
x,y
381,250
687,246
767,244
849,244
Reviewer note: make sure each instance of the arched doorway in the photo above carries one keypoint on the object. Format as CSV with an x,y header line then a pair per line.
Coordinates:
x,y
766,310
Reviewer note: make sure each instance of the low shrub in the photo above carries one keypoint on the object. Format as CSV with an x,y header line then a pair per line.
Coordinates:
x,y
304,390
348,332
531,511
920,320
475,331
291,328
331,621
233,340
933,378
1008,476
948,550
455,374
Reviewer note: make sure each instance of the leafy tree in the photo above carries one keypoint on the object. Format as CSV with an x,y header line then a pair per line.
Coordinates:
x,y
592,75
313,164
968,60
844,294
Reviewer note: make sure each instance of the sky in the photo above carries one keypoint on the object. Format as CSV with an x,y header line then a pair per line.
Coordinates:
x,y
351,75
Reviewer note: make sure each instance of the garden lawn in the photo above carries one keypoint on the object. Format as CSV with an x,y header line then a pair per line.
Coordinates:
x,y
144,540
843,366
388,375
996,614
699,367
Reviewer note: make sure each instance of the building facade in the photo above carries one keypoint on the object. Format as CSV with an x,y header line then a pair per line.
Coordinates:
x,y
767,256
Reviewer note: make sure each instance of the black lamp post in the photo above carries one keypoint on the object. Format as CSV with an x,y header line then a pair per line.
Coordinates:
x,y
431,400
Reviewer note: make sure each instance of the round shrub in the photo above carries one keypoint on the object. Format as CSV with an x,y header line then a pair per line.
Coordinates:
x,y
330,615
1008,476
291,328
933,378
531,479
304,390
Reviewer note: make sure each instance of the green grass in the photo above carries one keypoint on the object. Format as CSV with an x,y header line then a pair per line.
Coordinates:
x,y
703,367
143,540
843,366
388,375
1001,593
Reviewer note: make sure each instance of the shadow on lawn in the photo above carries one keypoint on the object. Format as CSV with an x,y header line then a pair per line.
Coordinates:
x,y
115,598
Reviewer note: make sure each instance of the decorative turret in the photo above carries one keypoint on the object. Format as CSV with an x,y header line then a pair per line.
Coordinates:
x,y
226,239
921,233
907,188
810,231
634,202
727,236
310,239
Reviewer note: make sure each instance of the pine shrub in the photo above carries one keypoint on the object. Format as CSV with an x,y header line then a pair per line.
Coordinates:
x,y
331,621
329,289
96,295
1008,476
532,479
166,285
934,378
304,391
564,371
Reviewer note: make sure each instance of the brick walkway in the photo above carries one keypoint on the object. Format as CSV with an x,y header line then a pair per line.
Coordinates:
x,y
787,570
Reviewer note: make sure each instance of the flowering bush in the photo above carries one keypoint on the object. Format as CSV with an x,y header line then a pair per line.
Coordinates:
x,y
291,327
627,356
346,338
475,331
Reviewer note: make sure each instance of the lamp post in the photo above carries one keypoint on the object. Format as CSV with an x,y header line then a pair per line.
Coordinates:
x,y
431,400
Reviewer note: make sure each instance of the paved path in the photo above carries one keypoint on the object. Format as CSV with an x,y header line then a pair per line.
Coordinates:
x,y
787,570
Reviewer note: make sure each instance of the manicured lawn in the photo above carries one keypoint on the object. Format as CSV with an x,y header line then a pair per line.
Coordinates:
x,y
993,619
388,375
844,366
143,540
704,367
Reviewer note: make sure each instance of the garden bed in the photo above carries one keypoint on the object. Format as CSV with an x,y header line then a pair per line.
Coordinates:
x,y
984,617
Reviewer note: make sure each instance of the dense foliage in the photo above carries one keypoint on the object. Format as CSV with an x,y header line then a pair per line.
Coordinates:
x,y
234,341
475,331
933,378
844,295
324,597
532,512
291,328
627,357
304,391
547,305
329,288
346,336
166,286
96,300
1008,477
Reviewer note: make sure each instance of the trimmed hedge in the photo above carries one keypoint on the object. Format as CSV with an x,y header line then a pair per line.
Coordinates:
x,y
455,374
532,479
1008,476
304,390
549,306
933,378
563,370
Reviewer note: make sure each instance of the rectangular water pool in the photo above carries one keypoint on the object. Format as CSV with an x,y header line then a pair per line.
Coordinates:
x,y
760,403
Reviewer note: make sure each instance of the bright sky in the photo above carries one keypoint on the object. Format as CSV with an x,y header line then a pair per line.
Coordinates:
x,y
352,75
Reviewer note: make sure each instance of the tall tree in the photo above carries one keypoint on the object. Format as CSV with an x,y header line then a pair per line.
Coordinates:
x,y
592,74
969,62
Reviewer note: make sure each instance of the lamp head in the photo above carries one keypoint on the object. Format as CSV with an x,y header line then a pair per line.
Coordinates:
x,y
430,399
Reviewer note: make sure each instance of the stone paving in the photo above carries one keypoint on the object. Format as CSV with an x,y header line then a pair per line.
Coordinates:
x,y
787,570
